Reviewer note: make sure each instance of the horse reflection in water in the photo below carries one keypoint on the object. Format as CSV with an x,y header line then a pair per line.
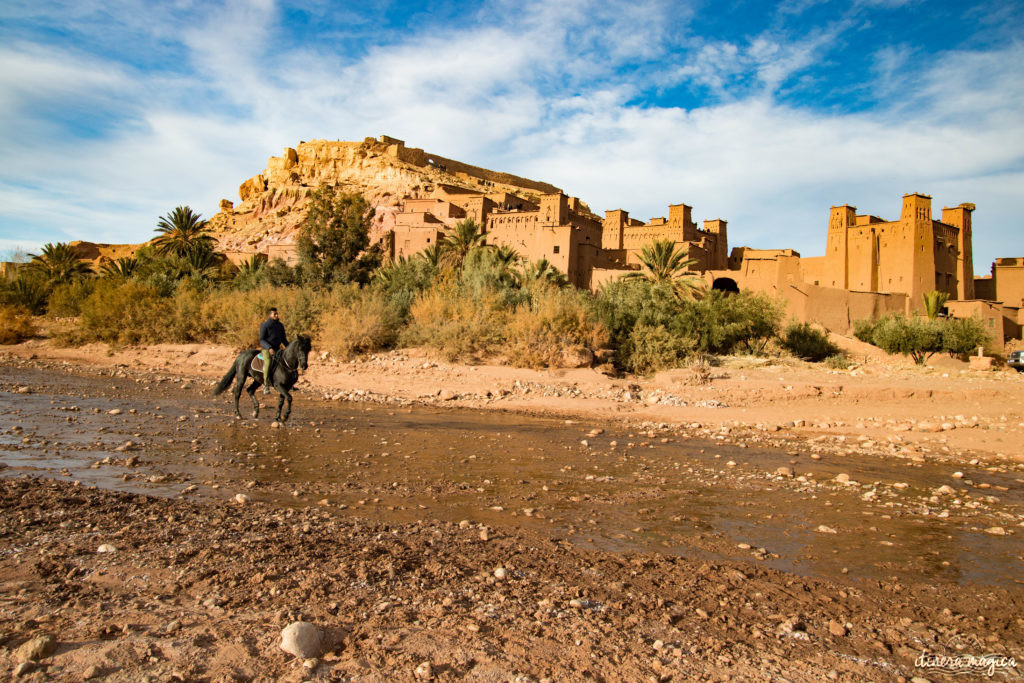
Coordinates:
x,y
285,373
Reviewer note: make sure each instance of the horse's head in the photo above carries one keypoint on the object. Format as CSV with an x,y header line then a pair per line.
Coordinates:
x,y
305,345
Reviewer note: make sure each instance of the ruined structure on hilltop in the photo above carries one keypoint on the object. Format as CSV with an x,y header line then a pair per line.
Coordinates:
x,y
383,170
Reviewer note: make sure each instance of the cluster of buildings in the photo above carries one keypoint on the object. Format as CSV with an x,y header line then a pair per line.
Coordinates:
x,y
871,266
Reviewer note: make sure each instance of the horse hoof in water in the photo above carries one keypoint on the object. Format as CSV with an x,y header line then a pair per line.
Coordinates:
x,y
255,414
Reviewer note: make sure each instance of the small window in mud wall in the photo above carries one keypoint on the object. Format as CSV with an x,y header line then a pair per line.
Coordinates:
x,y
428,240
556,249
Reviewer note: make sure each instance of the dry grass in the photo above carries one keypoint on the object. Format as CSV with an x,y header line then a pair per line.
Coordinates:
x,y
16,325
362,324
555,330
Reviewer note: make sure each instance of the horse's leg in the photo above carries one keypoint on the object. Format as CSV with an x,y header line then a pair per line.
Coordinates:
x,y
288,408
237,391
256,382
280,402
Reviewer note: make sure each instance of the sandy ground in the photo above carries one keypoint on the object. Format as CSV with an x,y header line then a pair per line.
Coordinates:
x,y
778,522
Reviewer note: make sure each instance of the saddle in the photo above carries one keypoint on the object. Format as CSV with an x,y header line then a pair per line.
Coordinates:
x,y
257,364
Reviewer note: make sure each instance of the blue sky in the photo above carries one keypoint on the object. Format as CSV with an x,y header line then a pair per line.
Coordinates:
x,y
113,112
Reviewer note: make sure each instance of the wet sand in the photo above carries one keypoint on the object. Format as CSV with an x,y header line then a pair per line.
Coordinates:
x,y
692,539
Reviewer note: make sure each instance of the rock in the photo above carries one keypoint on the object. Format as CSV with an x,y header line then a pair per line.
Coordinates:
x,y
424,671
241,498
996,531
958,475
106,548
115,411
835,628
275,425
92,671
303,640
842,478
784,471
500,573
25,667
826,529
484,535
580,357
945,490
38,648
658,644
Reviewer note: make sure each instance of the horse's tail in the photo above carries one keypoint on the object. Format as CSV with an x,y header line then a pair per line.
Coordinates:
x,y
226,382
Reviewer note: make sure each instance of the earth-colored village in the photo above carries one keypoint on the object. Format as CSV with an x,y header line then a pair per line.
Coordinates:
x,y
871,265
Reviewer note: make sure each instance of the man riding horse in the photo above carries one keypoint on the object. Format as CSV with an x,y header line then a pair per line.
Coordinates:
x,y
272,340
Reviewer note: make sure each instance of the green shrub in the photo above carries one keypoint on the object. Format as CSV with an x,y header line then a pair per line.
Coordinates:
x,y
400,282
914,337
721,323
122,313
808,342
864,329
650,348
28,291
962,336
15,325
66,299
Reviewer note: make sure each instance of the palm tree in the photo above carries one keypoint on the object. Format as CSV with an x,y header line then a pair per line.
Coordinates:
x,y
663,263
459,242
433,254
58,263
181,232
933,303
200,260
541,271
385,275
253,265
123,267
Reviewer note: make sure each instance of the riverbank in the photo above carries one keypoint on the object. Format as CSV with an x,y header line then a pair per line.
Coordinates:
x,y
883,401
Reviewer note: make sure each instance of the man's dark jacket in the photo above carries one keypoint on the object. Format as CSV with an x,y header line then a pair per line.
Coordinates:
x,y
272,334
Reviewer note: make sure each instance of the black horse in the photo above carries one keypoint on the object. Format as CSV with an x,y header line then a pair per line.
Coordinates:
x,y
285,374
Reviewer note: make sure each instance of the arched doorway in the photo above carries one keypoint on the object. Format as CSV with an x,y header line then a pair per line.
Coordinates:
x,y
725,284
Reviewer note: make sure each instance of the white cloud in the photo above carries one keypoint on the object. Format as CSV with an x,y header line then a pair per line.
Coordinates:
x,y
536,98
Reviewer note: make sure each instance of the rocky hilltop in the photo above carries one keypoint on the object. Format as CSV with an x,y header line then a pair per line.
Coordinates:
x,y
383,170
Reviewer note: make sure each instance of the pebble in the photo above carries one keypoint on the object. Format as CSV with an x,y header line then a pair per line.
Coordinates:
x,y
25,667
835,628
115,411
106,548
424,671
784,471
275,425
996,531
241,498
302,639
826,529
500,573
842,478
958,475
